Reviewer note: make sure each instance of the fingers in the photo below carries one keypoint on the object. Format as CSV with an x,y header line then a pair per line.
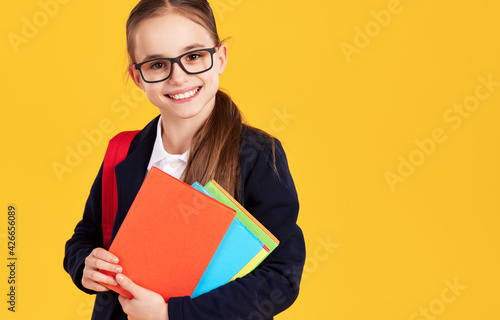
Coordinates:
x,y
127,306
92,285
123,301
103,260
92,280
145,302
105,255
128,285
95,275
99,259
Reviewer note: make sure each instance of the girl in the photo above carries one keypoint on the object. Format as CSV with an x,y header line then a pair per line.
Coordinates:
x,y
176,58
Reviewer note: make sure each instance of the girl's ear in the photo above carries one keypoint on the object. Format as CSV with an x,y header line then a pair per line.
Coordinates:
x,y
221,58
136,76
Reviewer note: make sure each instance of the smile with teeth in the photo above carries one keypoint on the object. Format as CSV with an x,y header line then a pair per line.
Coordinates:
x,y
184,95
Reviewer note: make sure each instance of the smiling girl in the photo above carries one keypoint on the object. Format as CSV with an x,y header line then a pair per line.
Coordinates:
x,y
176,58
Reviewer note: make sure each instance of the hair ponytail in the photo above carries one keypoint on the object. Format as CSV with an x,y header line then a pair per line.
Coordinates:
x,y
215,147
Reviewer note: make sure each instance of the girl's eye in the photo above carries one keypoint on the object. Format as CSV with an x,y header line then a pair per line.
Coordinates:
x,y
157,65
193,56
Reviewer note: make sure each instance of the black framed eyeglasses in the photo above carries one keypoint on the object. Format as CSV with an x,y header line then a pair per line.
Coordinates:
x,y
192,62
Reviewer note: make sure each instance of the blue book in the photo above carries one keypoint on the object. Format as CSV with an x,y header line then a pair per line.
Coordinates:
x,y
238,246
201,188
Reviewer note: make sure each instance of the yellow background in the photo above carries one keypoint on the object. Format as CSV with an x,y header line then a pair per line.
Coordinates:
x,y
346,119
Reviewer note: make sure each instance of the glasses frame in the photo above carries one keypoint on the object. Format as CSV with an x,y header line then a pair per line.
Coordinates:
x,y
213,50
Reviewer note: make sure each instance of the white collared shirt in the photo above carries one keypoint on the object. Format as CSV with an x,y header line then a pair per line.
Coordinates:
x,y
173,164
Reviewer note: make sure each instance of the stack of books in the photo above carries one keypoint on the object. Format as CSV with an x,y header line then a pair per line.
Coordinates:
x,y
181,240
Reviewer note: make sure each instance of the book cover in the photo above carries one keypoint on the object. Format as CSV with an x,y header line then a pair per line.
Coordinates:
x,y
169,236
238,247
270,242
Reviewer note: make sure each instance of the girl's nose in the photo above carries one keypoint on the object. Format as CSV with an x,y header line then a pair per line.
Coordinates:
x,y
177,74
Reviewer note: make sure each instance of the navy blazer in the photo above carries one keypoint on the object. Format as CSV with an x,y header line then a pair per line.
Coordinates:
x,y
268,194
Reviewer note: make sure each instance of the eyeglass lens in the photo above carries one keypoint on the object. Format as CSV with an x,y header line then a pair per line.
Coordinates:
x,y
193,62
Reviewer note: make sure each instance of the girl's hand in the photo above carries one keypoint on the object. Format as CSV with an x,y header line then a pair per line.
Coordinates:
x,y
146,304
99,259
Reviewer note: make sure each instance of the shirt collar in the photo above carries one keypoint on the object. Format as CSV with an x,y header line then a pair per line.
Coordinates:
x,y
159,152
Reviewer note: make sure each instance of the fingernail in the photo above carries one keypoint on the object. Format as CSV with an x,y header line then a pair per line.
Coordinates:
x,y
115,260
119,277
119,269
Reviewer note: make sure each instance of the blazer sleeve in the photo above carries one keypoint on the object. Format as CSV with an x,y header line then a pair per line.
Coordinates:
x,y
87,236
269,194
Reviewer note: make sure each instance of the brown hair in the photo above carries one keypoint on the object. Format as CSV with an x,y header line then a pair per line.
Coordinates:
x,y
214,152
198,11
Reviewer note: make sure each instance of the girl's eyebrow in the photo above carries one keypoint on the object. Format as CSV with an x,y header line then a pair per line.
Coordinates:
x,y
194,46
153,56
185,49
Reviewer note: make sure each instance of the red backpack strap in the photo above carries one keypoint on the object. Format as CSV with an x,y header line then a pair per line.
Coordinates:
x,y
117,152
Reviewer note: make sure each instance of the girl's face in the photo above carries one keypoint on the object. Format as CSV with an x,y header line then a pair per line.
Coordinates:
x,y
169,36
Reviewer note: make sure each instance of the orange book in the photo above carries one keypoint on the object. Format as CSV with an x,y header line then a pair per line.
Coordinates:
x,y
169,236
